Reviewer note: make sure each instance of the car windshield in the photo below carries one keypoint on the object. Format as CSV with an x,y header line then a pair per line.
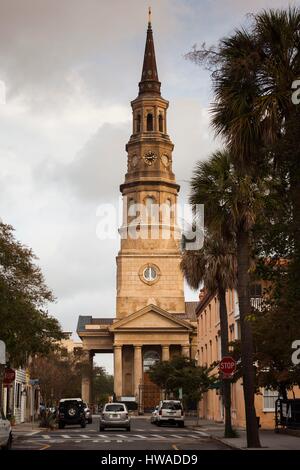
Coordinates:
x,y
170,405
70,402
115,408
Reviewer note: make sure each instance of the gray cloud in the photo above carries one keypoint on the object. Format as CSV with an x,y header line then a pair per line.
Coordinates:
x,y
70,69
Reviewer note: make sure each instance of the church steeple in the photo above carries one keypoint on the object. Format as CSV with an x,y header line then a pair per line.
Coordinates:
x,y
149,81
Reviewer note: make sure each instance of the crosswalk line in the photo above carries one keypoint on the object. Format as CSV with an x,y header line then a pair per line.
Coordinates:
x,y
193,436
140,436
85,436
176,435
66,436
159,436
122,436
45,436
103,436
203,434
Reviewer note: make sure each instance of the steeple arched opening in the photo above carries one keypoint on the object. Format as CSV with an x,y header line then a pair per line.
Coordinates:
x,y
160,123
149,122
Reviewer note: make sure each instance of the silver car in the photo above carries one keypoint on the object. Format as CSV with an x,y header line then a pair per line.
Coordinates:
x,y
5,432
114,415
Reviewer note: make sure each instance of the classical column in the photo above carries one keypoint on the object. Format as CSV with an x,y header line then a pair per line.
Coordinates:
x,y
165,353
185,350
138,369
118,372
87,377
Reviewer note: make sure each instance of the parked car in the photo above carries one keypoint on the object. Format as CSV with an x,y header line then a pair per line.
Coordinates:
x,y
154,414
170,411
5,432
88,413
71,411
114,415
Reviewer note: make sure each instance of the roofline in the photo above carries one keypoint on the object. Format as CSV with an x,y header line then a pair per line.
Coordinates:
x,y
204,302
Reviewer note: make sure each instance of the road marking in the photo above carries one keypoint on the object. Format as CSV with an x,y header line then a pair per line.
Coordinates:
x,y
33,433
103,436
66,436
140,436
193,436
159,436
45,436
85,436
177,437
204,434
46,446
119,440
96,440
122,435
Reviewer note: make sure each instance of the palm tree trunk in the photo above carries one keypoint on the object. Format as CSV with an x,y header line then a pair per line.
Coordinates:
x,y
247,350
226,385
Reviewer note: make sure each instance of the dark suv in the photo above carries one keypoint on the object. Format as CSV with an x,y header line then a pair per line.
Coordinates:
x,y
71,411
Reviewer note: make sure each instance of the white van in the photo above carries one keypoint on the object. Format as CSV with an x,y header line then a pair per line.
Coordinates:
x,y
170,411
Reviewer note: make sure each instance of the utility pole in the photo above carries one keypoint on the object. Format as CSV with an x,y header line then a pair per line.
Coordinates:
x,y
2,368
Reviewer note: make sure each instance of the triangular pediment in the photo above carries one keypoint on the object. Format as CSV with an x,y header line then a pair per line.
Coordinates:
x,y
151,317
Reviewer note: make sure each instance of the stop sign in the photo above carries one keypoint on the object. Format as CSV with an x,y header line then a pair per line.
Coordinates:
x,y
9,376
227,366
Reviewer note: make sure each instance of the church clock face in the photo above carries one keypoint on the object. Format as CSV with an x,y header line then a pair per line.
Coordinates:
x,y
134,160
150,273
149,157
165,159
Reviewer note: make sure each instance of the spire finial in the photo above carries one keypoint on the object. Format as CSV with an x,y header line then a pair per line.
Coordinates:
x,y
149,16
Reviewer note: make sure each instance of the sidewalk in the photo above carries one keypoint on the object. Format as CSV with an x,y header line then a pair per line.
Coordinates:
x,y
26,428
268,438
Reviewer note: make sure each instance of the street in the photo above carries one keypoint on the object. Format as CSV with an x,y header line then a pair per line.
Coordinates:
x,y
143,436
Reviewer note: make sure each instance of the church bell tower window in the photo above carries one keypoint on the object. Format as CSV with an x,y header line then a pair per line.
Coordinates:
x,y
160,123
149,122
138,123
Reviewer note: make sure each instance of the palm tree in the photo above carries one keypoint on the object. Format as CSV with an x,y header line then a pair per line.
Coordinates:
x,y
232,203
214,265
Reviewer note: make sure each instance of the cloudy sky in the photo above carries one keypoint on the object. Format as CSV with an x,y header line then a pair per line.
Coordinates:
x,y
68,70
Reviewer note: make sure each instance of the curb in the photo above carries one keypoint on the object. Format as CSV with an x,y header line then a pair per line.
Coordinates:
x,y
220,439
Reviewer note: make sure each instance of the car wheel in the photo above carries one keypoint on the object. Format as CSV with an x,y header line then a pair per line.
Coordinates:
x,y
90,421
61,425
8,444
83,424
181,424
128,428
158,423
101,429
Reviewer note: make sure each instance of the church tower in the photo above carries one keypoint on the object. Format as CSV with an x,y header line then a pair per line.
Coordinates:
x,y
148,270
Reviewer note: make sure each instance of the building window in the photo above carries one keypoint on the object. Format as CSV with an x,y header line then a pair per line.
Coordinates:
x,y
269,398
160,123
149,122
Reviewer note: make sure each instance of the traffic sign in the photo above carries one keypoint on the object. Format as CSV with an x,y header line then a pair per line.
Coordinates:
x,y
227,367
9,376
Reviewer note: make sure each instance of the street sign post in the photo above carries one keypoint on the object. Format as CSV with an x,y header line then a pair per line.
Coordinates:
x,y
2,367
227,367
